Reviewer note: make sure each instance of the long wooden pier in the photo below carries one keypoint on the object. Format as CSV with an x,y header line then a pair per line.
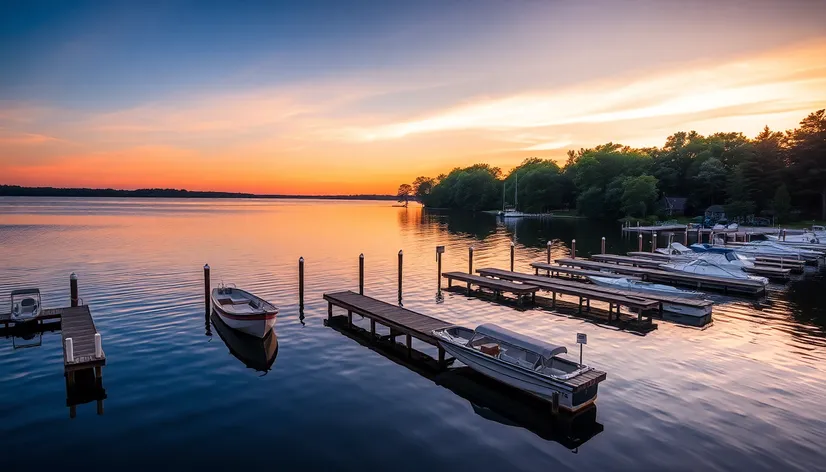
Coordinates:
x,y
771,272
580,290
401,321
725,285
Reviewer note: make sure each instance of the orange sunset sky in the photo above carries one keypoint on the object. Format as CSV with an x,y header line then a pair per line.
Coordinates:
x,y
322,99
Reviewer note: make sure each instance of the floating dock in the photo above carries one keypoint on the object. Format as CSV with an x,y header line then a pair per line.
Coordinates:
x,y
583,291
725,285
770,272
401,321
496,286
661,300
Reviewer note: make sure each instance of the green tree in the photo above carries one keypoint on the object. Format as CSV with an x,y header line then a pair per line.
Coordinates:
x,y
782,204
403,193
807,156
738,204
710,180
422,187
639,195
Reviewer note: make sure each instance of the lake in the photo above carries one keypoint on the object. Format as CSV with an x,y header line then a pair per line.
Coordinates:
x,y
745,393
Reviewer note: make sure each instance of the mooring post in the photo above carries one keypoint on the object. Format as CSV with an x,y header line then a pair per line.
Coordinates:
x,y
70,350
685,236
301,283
699,235
206,288
361,274
439,251
73,295
98,346
401,262
639,245
748,237
549,252
469,264
603,245
512,250
573,249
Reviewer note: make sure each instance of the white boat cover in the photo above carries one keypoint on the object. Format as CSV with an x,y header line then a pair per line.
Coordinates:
x,y
546,350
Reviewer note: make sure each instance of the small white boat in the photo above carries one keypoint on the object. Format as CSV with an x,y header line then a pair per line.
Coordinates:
x,y
243,311
712,269
776,249
520,361
255,353
675,249
512,213
25,304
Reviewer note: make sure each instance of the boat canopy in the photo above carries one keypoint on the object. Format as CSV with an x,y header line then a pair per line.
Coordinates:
x,y
25,291
546,350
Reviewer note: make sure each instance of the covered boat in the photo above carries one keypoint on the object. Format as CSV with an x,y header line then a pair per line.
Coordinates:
x,y
244,311
25,304
775,249
652,289
523,362
712,269
806,237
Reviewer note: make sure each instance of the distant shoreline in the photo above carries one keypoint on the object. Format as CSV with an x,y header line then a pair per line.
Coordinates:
x,y
18,191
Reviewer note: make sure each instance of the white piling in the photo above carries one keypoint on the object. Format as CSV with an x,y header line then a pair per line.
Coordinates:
x,y
70,350
98,346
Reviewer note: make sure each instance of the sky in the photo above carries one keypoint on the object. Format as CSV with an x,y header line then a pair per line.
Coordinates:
x,y
331,97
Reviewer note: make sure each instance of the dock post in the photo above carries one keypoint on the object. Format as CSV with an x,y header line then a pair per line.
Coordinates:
x,y
441,357
653,241
699,235
301,283
603,245
685,236
206,288
748,237
439,251
329,312
512,251
549,252
401,262
469,264
98,346
73,289
639,239
409,342
361,274
573,249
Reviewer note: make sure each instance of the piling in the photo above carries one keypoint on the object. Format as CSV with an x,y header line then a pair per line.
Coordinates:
x,y
512,251
469,263
699,235
401,263
70,350
685,236
639,239
98,346
603,245
573,249
549,252
301,282
653,241
361,274
439,251
73,289
206,288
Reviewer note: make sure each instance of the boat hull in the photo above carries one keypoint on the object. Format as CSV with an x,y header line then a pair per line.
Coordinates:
x,y
255,325
534,384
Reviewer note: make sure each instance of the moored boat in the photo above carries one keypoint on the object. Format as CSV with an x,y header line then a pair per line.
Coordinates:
x,y
659,290
523,362
712,269
25,304
244,311
256,353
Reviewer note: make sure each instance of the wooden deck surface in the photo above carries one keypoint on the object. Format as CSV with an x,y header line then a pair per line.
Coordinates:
x,y
578,289
77,323
746,286
392,316
497,285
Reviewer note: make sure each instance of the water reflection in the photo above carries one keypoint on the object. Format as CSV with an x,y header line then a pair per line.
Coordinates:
x,y
85,386
257,354
489,399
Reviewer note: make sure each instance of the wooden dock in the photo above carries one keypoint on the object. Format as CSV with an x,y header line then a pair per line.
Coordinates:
x,y
496,286
770,272
655,229
583,291
555,270
77,324
401,321
725,285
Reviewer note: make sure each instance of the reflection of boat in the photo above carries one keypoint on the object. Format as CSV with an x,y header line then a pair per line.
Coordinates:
x,y
244,311
25,304
520,361
255,353
490,399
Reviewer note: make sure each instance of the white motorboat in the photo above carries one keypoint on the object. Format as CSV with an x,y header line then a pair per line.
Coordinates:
x,y
775,249
25,304
243,311
806,237
652,289
523,362
711,269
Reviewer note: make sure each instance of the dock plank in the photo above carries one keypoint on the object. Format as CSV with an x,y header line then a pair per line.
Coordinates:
x,y
77,324
572,271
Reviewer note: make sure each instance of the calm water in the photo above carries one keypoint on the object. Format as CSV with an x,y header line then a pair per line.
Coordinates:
x,y
746,393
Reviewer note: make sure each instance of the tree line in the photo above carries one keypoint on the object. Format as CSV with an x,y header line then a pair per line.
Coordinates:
x,y
780,174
